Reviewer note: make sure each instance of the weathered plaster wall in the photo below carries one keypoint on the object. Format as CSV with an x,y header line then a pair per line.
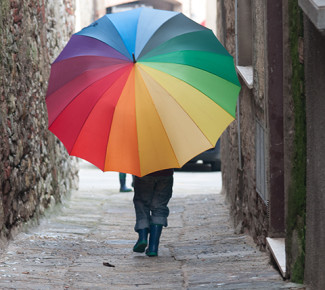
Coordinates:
x,y
315,108
35,171
85,13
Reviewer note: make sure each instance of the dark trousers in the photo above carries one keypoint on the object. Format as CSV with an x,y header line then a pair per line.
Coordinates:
x,y
151,197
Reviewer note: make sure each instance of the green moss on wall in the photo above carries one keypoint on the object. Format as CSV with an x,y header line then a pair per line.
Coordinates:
x,y
296,218
4,11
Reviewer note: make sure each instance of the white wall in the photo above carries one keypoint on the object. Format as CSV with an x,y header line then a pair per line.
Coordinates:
x,y
201,10
84,13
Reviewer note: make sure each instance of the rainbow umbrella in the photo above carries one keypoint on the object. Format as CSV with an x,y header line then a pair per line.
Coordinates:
x,y
141,90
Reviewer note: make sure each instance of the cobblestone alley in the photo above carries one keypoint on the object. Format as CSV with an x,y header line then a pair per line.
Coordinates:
x,y
199,249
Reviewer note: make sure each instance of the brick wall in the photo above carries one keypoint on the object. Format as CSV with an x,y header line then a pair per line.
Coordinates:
x,y
35,170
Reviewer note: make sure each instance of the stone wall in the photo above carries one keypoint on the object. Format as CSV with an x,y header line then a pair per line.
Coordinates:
x,y
35,170
248,210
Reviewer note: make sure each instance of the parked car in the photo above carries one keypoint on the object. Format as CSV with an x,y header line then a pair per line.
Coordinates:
x,y
211,156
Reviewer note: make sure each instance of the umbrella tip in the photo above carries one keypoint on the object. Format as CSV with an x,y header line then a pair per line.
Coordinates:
x,y
134,61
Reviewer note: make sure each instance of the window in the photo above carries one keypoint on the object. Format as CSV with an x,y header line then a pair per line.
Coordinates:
x,y
244,37
260,162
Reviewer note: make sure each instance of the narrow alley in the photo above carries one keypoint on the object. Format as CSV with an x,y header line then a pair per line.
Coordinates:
x,y
87,243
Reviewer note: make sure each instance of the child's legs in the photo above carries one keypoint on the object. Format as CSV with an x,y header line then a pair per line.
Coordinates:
x,y
143,191
162,193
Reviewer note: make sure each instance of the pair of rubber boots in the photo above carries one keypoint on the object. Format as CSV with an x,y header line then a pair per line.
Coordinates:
x,y
140,246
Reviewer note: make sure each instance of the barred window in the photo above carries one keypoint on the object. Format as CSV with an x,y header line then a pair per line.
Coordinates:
x,y
261,187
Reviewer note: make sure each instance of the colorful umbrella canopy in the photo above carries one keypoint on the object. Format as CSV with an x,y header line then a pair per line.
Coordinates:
x,y
141,90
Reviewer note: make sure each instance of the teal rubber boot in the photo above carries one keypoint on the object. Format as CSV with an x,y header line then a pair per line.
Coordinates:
x,y
155,232
123,187
142,242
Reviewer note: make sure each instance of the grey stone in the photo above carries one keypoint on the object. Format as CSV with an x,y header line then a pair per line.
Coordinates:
x,y
198,250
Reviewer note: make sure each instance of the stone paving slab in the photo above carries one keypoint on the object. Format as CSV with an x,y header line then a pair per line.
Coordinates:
x,y
199,249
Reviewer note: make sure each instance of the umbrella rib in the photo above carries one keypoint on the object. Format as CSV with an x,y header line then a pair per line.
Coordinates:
x,y
123,62
91,55
212,145
194,86
190,66
199,46
156,31
123,57
90,113
189,116
183,50
130,56
161,122
79,94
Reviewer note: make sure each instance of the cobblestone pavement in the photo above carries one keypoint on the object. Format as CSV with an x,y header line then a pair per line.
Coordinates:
x,y
199,249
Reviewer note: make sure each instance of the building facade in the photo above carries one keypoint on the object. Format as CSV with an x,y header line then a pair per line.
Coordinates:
x,y
271,154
